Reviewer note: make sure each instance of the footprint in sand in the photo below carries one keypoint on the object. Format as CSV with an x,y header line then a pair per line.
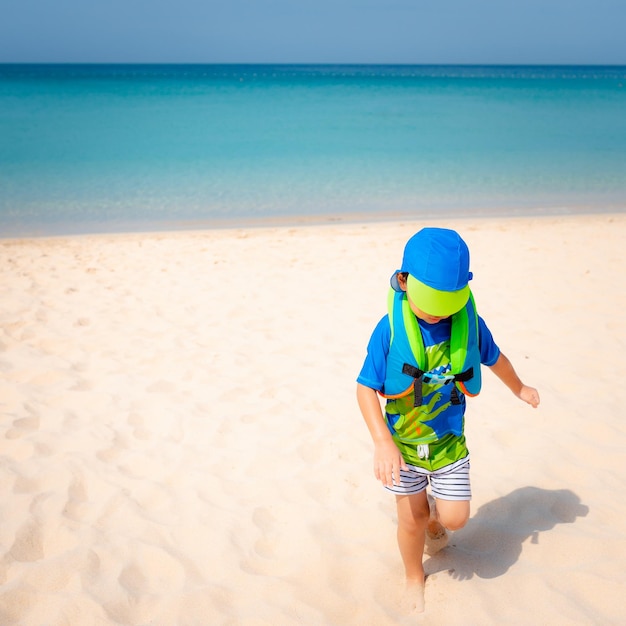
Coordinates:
x,y
76,497
25,484
22,426
90,569
16,603
82,384
28,544
137,422
118,445
310,452
144,584
154,571
142,466
264,521
161,386
49,577
266,558
156,503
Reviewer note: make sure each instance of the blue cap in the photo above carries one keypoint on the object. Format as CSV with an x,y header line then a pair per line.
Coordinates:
x,y
437,261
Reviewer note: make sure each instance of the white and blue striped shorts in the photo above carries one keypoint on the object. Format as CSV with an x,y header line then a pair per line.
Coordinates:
x,y
451,482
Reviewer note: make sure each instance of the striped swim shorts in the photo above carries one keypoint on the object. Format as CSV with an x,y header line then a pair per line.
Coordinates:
x,y
451,482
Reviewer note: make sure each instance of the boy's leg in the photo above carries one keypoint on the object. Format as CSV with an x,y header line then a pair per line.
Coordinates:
x,y
452,491
413,514
453,514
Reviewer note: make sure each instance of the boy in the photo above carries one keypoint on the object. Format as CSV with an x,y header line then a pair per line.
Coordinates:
x,y
424,357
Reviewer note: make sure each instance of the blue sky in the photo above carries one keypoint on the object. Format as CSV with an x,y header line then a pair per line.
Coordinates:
x,y
314,31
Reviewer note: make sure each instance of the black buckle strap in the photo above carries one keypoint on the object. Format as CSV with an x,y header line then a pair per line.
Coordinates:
x,y
418,375
462,377
465,376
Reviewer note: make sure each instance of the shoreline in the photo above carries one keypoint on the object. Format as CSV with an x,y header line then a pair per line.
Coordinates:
x,y
297,221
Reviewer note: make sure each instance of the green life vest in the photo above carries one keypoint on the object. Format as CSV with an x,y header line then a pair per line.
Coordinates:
x,y
406,359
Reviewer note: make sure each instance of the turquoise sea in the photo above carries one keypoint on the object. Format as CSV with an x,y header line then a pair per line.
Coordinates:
x,y
90,148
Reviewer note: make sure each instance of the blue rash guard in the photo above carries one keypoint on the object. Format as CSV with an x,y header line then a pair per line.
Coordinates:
x,y
438,420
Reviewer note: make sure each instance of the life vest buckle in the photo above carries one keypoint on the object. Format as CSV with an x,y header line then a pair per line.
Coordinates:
x,y
439,379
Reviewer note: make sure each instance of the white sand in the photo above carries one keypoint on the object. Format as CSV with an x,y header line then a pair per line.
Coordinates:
x,y
180,441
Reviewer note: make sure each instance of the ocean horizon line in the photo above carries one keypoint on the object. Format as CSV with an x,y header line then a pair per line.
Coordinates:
x,y
307,64
314,63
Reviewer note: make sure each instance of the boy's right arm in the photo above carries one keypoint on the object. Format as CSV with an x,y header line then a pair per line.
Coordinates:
x,y
387,458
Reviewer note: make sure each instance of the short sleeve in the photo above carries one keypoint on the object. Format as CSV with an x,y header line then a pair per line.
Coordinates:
x,y
489,351
374,368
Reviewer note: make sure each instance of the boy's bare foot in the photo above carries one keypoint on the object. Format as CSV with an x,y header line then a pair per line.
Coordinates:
x,y
413,601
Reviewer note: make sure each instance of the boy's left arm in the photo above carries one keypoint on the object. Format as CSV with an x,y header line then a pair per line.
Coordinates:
x,y
504,370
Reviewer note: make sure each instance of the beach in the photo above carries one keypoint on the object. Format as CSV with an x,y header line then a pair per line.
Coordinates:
x,y
181,443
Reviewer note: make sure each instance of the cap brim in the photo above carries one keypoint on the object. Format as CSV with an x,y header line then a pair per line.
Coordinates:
x,y
435,302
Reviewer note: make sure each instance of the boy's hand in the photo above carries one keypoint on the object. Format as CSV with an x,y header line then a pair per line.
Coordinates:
x,y
387,463
503,369
529,395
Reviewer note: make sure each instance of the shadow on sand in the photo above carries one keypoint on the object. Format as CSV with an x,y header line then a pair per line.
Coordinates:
x,y
491,542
